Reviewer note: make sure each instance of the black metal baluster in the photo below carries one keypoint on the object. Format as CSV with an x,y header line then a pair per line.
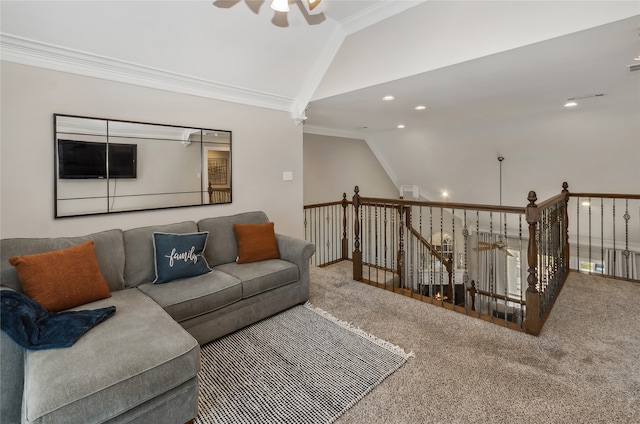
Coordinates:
x,y
626,252
590,235
465,275
432,272
442,257
615,253
386,247
479,298
490,307
578,232
602,235
519,285
420,282
370,237
315,236
506,269
452,262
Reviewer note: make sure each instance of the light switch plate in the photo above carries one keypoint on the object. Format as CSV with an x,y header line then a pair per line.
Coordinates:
x,y
287,176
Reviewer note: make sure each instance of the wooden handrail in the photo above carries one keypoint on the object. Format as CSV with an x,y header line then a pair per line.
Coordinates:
x,y
552,201
373,201
607,195
446,262
501,297
321,205
445,205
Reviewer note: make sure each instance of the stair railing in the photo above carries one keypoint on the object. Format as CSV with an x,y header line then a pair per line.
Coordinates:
x,y
328,226
504,264
605,234
413,259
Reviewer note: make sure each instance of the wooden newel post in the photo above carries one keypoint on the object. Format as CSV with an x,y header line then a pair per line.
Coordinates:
x,y
357,254
448,264
472,292
345,241
532,322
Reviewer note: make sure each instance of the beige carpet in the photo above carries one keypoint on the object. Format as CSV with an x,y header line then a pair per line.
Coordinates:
x,y
583,368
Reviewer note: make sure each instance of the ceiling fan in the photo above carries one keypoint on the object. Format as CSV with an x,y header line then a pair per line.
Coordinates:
x,y
281,8
499,244
283,5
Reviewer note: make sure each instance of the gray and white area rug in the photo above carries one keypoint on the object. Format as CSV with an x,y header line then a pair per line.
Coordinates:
x,y
300,366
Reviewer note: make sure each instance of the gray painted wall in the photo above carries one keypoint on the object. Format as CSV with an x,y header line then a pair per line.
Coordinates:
x,y
334,165
265,143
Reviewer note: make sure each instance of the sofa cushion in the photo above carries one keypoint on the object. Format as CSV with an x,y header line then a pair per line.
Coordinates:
x,y
222,247
259,277
256,242
109,248
136,355
138,245
190,297
62,279
179,256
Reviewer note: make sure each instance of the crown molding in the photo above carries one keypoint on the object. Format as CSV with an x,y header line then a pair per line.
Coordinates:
x,y
310,129
48,56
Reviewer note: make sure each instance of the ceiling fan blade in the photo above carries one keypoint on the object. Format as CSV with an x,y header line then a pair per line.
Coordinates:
x,y
225,4
482,249
313,3
502,248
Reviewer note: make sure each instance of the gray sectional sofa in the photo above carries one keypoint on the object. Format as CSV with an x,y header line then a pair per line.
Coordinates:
x,y
141,365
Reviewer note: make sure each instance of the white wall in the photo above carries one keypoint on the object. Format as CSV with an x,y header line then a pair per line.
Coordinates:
x,y
265,143
334,165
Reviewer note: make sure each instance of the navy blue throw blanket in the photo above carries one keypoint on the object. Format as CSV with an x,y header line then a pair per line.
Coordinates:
x,y
34,328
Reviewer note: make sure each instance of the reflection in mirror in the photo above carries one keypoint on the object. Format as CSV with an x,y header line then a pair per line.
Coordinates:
x,y
106,166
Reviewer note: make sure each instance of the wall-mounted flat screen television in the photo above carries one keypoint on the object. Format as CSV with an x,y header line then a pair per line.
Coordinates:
x,y
86,160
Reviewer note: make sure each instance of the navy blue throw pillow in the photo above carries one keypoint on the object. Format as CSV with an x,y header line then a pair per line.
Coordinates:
x,y
179,255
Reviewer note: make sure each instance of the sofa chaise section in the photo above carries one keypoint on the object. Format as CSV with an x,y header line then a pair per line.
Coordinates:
x,y
114,368
138,366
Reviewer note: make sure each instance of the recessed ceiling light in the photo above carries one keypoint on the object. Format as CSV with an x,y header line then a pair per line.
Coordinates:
x,y
570,103
388,98
420,107
400,126
637,57
445,194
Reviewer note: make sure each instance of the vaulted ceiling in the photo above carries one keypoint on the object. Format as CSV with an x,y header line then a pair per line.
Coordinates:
x,y
493,77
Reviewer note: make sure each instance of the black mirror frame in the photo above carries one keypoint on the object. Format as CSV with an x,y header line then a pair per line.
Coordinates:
x,y
208,194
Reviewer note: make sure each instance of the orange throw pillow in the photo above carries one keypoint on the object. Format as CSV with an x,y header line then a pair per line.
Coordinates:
x,y
256,242
62,279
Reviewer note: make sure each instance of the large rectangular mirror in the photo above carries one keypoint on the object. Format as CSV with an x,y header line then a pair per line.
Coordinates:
x,y
106,166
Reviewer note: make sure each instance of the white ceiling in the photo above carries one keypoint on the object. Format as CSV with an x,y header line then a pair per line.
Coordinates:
x,y
493,75
224,45
508,103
